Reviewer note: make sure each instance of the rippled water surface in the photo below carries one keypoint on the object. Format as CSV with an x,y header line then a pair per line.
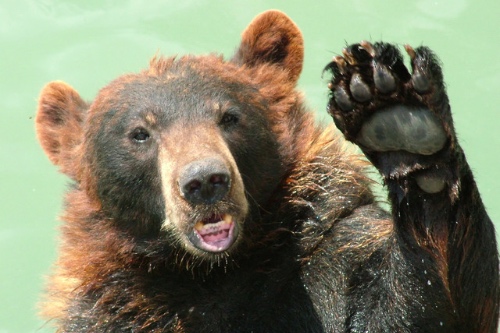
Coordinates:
x,y
88,43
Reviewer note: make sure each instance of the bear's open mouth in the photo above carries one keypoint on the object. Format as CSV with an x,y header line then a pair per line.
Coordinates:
x,y
215,233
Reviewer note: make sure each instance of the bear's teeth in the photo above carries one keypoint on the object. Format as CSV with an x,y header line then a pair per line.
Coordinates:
x,y
201,226
228,218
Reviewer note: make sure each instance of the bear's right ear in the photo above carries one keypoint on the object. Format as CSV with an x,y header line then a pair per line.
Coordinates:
x,y
272,38
59,124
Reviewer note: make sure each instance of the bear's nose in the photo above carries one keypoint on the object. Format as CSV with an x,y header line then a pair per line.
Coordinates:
x,y
205,181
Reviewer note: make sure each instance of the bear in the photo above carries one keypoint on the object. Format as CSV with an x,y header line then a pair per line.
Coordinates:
x,y
205,197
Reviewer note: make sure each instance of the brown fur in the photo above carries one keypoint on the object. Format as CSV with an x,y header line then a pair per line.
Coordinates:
x,y
316,252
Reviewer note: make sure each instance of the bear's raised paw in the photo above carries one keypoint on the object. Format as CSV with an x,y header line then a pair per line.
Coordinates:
x,y
379,105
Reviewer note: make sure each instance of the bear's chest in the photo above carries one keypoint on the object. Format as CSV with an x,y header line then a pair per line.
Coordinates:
x,y
250,302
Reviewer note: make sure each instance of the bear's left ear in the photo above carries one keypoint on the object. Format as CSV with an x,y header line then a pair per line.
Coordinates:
x,y
272,37
59,125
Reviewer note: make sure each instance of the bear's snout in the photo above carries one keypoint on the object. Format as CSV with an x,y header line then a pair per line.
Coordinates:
x,y
205,181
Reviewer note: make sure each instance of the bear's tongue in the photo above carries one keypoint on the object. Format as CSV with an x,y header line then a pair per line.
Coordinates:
x,y
215,229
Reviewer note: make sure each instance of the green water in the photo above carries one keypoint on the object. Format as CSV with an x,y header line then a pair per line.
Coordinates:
x,y
88,43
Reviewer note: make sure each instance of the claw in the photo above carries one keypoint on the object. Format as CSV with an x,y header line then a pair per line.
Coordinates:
x,y
419,80
348,57
368,47
410,51
341,64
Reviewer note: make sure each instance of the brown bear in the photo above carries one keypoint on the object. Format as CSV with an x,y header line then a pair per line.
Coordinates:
x,y
205,198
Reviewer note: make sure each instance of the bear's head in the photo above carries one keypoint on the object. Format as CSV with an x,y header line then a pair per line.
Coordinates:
x,y
190,150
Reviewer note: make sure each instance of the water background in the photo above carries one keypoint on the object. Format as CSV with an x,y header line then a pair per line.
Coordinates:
x,y
88,43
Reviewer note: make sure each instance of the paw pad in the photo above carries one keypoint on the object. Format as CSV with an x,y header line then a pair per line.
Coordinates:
x,y
417,131
430,183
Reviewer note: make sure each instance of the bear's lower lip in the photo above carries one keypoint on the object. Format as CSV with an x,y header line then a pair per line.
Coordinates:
x,y
215,234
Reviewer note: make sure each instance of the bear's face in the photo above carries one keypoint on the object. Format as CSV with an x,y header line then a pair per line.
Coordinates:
x,y
169,149
185,150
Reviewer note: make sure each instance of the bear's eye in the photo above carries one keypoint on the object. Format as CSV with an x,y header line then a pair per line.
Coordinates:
x,y
229,118
140,135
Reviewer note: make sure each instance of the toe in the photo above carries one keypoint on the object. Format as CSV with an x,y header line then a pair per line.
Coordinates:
x,y
383,79
359,89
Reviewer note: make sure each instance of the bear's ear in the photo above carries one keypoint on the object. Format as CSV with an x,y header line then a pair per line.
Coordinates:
x,y
272,37
59,121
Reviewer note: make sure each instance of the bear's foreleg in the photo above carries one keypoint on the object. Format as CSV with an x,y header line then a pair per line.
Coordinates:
x,y
401,120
